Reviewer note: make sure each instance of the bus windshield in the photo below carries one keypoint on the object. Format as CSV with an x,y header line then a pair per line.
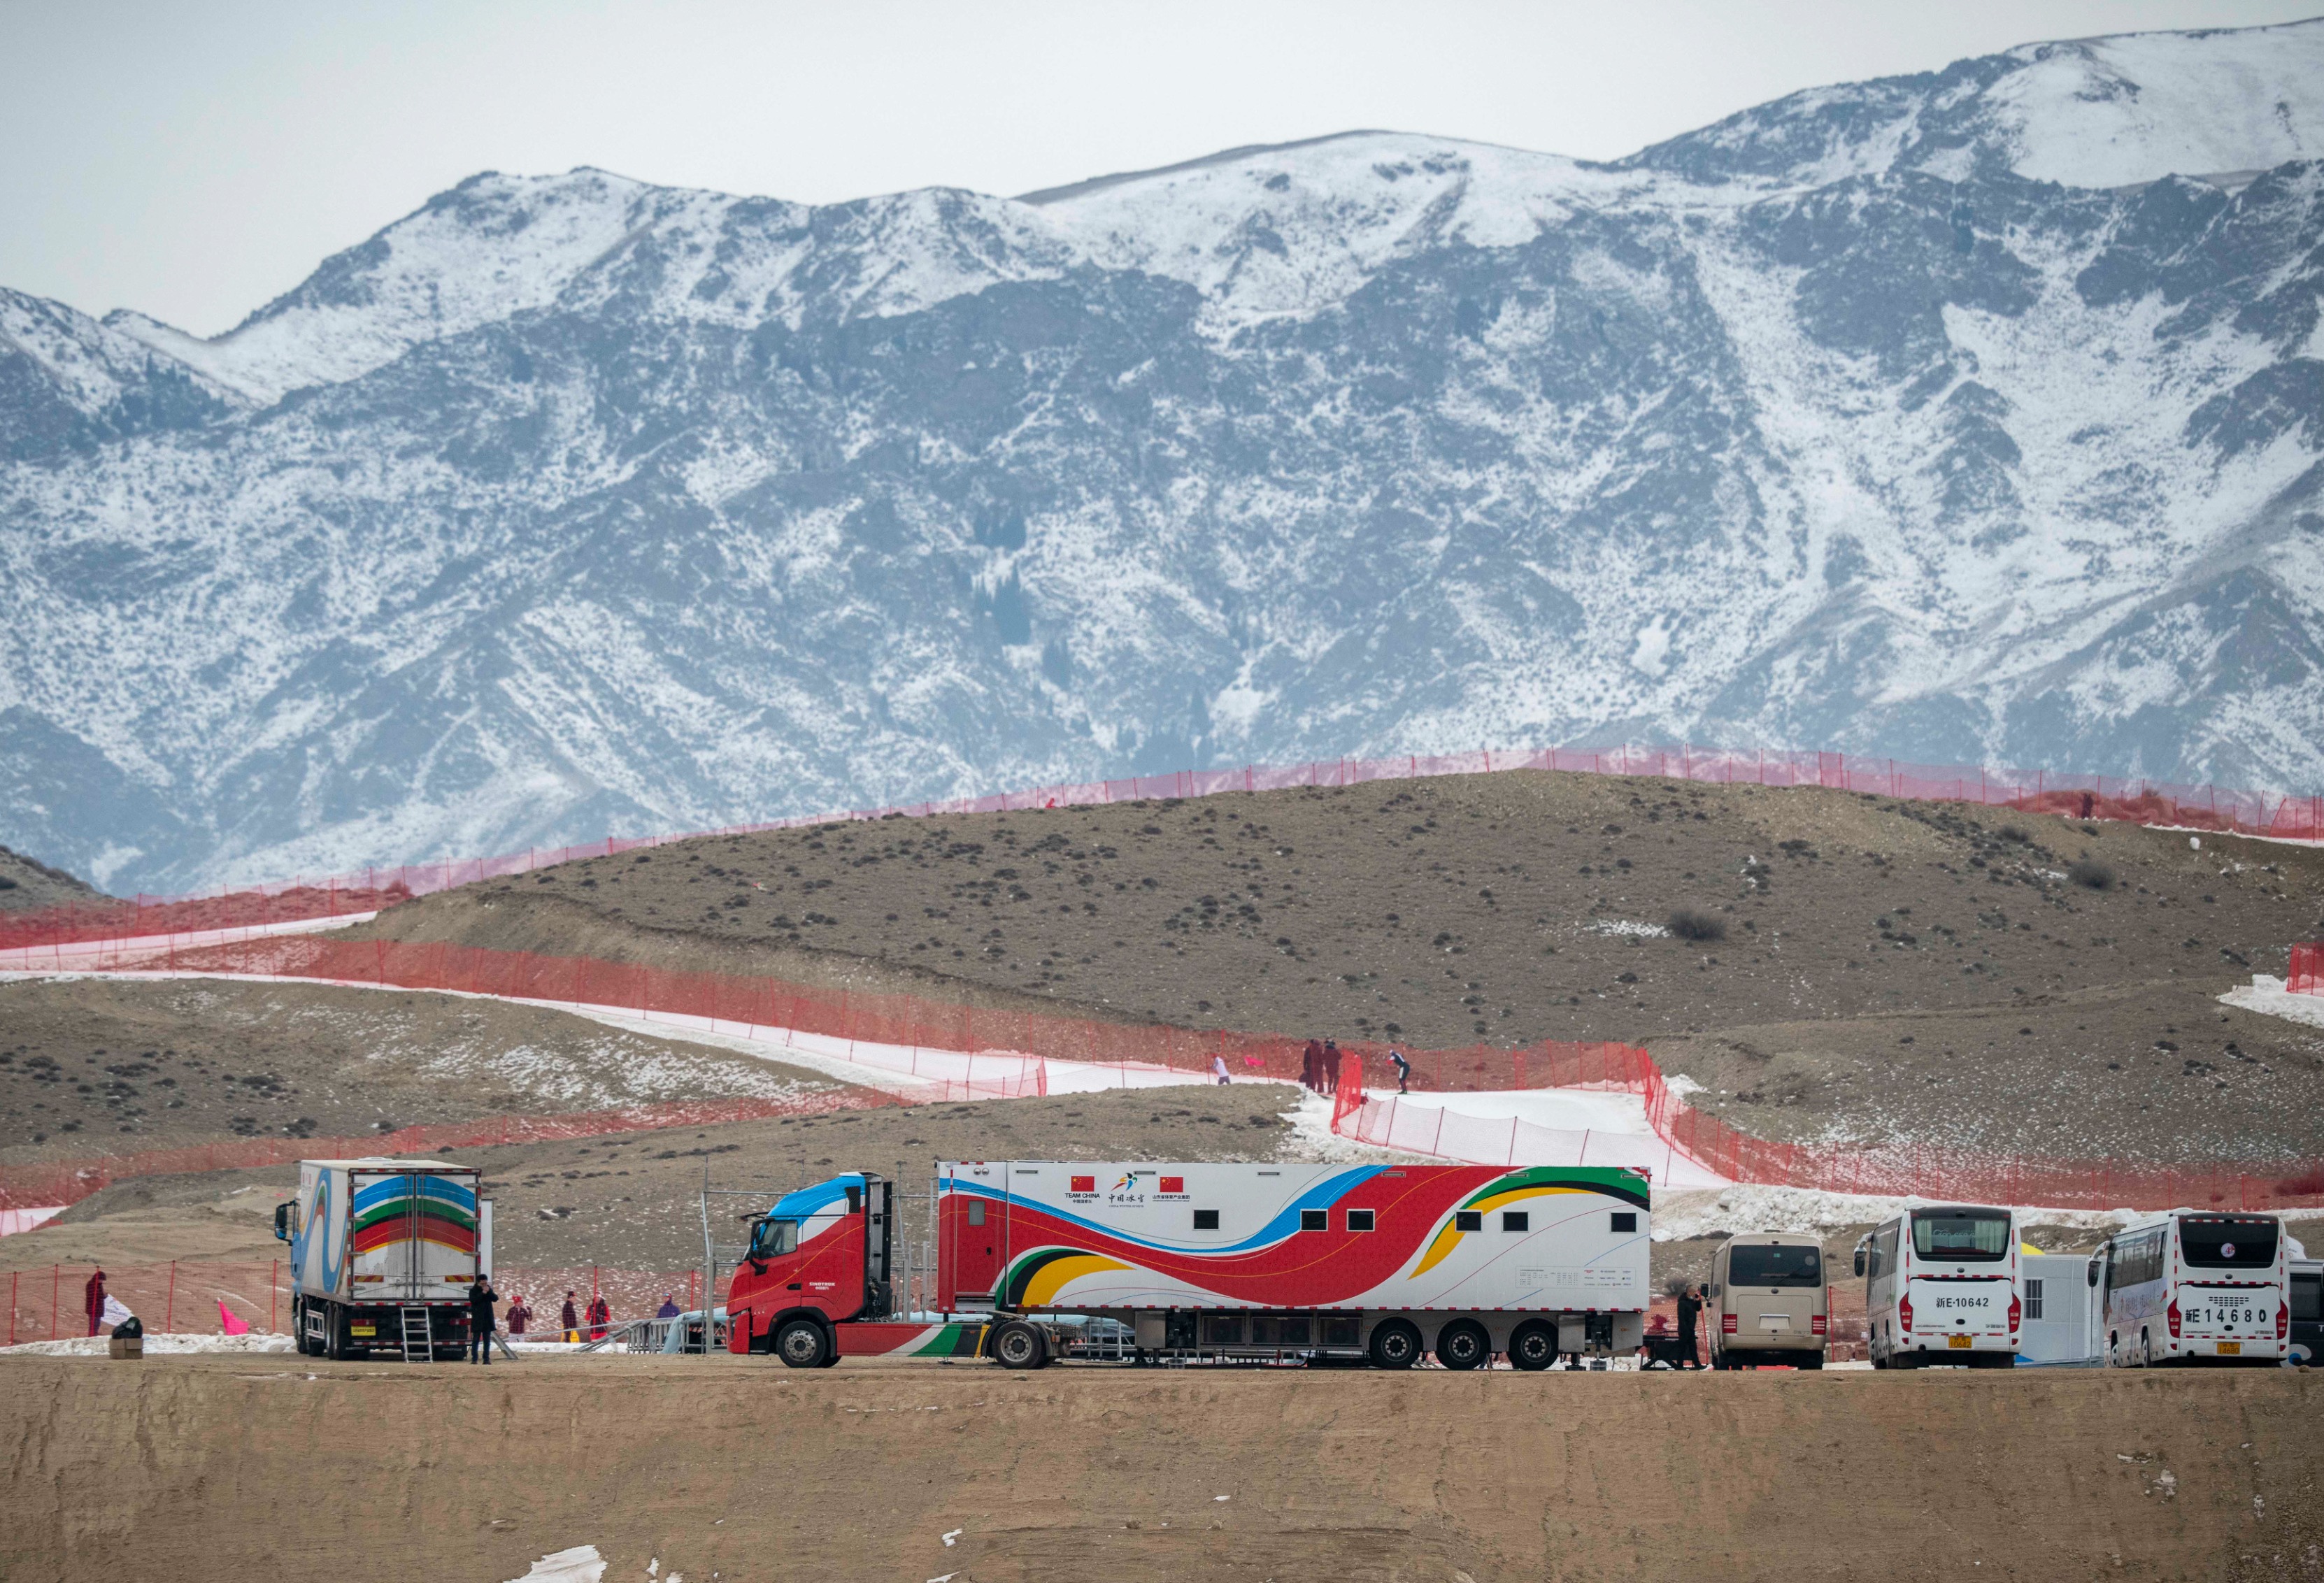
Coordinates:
x,y
2227,1242
770,1238
1965,1236
1759,1264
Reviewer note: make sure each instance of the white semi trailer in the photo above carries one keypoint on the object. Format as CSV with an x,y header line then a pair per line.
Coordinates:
x,y
384,1254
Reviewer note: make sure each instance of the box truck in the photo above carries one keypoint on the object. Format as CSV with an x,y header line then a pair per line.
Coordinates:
x,y
384,1253
1383,1264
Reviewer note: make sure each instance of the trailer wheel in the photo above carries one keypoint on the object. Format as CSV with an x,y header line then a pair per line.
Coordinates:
x,y
1018,1345
1463,1344
1533,1347
1395,1344
799,1343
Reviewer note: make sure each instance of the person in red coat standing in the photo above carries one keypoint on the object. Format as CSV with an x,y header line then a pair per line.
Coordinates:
x,y
601,1314
1310,1066
93,1299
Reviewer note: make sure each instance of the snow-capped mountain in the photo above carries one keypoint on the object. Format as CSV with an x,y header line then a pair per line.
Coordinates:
x,y
1971,416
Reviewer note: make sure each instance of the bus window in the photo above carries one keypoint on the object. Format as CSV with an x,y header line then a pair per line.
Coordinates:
x,y
2137,1259
1884,1249
1759,1264
1961,1236
2227,1242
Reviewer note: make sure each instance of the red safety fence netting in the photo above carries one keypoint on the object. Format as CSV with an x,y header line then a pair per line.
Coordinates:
x,y
67,1182
2079,796
182,1297
2306,975
891,1024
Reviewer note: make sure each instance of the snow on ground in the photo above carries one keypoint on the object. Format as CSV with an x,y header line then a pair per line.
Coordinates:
x,y
581,1564
14,1220
156,1343
2266,994
99,956
1681,1214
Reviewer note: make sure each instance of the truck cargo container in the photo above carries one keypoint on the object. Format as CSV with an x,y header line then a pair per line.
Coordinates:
x,y
384,1253
1384,1264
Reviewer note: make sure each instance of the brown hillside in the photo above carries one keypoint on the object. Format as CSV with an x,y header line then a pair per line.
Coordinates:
x,y
1862,966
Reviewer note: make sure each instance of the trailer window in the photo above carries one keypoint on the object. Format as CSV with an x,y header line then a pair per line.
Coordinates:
x,y
2032,1297
1206,1219
1313,1220
2227,1242
2308,1298
770,1238
1622,1221
1760,1265
976,1212
1969,1237
1516,1220
1360,1219
1468,1220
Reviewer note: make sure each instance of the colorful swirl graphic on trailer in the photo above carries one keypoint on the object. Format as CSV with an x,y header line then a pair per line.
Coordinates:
x,y
400,1209
1372,1237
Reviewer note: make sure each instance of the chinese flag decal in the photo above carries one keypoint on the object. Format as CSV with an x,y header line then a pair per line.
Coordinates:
x,y
1173,1184
1083,1184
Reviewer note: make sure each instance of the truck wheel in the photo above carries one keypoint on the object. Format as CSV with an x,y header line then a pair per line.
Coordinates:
x,y
1018,1345
1533,1347
1463,1344
298,1329
334,1334
1395,1344
800,1344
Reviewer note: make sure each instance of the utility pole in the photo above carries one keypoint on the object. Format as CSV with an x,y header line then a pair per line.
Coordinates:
x,y
709,1262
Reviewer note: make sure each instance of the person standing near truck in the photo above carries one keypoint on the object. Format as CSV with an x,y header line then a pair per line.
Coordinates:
x,y
1331,1067
1690,1316
569,1322
480,1320
519,1315
92,1301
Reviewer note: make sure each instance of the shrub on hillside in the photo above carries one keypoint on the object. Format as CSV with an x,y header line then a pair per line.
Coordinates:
x,y
2090,874
1693,923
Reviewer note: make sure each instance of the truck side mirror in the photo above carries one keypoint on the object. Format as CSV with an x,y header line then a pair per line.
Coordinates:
x,y
1859,1261
282,1222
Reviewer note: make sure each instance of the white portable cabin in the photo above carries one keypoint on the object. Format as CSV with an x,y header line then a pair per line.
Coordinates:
x,y
2059,1327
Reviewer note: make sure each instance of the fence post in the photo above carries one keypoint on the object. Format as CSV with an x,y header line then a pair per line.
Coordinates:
x,y
56,1278
274,1275
169,1312
12,1306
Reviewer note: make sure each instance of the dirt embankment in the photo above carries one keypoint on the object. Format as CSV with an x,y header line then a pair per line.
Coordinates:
x,y
100,1066
632,1200
29,885
247,1470
1847,964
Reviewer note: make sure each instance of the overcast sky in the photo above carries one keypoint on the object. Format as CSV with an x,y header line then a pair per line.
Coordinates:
x,y
194,160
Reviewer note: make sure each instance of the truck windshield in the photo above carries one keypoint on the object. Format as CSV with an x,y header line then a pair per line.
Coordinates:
x,y
1966,1237
1759,1264
769,1238
2227,1242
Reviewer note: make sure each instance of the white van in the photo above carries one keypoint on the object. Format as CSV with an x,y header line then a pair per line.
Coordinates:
x,y
2190,1287
1941,1287
1767,1302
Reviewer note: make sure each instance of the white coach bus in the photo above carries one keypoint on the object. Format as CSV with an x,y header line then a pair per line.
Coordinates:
x,y
1941,1287
2189,1287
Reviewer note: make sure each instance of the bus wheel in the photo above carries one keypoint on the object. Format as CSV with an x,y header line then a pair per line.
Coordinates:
x,y
1395,1344
799,1343
1533,1347
1463,1344
1018,1345
2146,1350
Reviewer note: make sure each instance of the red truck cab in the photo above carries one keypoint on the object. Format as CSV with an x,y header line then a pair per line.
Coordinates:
x,y
818,1259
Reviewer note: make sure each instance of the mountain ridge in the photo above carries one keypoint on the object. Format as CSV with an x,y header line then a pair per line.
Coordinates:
x,y
574,504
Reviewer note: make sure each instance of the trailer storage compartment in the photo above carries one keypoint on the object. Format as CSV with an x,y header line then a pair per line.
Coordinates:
x,y
384,1253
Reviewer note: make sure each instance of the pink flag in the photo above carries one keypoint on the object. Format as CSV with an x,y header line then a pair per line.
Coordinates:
x,y
229,1323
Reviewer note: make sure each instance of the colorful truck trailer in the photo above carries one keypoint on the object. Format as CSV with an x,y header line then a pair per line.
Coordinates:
x,y
1384,1264
383,1255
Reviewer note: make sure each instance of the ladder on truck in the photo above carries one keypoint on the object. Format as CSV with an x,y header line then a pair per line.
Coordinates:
x,y
419,1339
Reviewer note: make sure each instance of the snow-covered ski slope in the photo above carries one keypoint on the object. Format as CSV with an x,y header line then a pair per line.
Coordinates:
x,y
1967,416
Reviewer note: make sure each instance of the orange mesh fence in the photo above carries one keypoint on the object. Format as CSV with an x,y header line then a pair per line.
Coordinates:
x,y
2307,973
182,1297
894,1022
70,1181
2077,797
